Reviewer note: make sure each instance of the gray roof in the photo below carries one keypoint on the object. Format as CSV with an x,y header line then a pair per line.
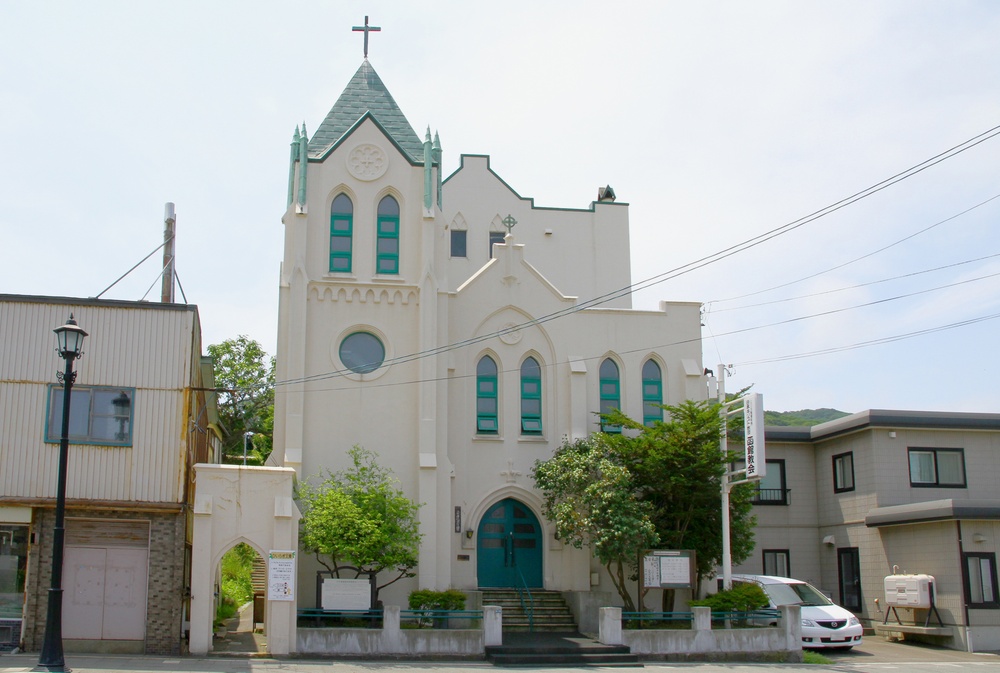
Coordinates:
x,y
884,418
934,510
366,93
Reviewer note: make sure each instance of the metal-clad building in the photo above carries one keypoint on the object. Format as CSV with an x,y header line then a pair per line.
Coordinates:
x,y
140,418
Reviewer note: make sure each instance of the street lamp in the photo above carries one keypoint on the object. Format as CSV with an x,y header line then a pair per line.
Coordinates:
x,y
70,347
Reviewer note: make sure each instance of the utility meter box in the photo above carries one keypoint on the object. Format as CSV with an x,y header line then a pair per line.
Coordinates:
x,y
909,591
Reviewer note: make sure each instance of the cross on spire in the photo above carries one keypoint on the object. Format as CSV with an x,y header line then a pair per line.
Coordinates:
x,y
508,222
366,29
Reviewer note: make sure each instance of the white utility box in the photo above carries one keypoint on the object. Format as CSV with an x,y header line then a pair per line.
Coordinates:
x,y
909,591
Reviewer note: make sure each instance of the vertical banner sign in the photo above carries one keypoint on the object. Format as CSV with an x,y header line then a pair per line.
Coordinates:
x,y
753,427
281,576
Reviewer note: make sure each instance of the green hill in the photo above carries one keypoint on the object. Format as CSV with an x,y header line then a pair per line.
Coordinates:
x,y
802,417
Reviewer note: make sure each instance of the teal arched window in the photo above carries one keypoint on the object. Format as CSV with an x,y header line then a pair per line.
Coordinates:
x,y
341,233
652,393
531,397
387,246
486,397
611,397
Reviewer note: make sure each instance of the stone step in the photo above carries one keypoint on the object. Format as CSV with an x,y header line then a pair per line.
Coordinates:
x,y
558,649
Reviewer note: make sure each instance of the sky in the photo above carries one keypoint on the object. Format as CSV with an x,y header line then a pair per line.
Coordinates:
x,y
718,122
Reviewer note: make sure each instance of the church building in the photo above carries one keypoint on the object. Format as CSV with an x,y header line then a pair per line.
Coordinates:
x,y
462,334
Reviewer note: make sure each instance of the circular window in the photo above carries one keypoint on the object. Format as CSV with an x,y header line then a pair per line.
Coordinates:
x,y
362,352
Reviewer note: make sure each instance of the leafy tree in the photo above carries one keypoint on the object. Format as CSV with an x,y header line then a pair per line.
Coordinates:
x,y
359,517
245,373
592,498
678,468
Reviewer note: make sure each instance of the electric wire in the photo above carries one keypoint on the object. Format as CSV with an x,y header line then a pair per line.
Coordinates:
x,y
872,342
723,334
683,269
854,287
856,259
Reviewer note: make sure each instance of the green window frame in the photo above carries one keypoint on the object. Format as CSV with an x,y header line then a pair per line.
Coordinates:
x,y
531,397
387,243
98,415
487,402
341,234
652,393
610,393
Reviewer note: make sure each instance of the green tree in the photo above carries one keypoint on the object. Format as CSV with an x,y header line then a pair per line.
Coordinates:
x,y
245,374
359,517
678,468
593,499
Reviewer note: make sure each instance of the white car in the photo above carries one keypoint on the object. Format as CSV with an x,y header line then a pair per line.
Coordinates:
x,y
824,623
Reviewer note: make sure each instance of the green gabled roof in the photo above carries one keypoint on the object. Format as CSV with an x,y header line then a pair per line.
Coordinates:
x,y
366,93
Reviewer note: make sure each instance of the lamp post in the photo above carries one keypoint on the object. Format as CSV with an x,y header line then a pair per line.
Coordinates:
x,y
70,347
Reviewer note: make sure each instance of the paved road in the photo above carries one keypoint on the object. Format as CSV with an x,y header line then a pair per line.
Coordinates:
x,y
874,656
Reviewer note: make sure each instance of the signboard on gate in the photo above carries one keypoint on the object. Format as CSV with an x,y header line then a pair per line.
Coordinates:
x,y
753,427
281,575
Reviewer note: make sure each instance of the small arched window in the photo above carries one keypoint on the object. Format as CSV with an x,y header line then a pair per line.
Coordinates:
x,y
486,397
610,393
341,231
387,246
652,393
531,397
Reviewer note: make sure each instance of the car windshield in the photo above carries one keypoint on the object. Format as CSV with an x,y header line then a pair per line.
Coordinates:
x,y
798,593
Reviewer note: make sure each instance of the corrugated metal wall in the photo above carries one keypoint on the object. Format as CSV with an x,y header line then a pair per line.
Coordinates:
x,y
147,347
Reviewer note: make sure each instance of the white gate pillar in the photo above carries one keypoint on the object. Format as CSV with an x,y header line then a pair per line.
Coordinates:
x,y
235,504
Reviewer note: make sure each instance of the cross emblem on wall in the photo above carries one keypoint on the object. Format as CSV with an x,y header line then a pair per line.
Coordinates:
x,y
508,222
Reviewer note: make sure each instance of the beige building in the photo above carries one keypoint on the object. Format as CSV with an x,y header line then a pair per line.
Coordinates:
x,y
848,502
141,418
462,333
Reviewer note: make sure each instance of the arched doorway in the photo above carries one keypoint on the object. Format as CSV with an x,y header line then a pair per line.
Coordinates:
x,y
509,547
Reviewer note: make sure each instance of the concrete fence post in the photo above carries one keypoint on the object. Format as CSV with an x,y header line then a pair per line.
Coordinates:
x,y
702,618
610,626
492,625
390,618
791,618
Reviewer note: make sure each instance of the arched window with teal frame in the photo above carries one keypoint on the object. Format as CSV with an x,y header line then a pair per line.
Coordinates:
x,y
387,245
652,393
341,233
611,396
487,417
531,397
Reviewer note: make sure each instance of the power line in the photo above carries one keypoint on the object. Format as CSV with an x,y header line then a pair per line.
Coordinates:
x,y
872,342
729,333
856,259
854,287
686,268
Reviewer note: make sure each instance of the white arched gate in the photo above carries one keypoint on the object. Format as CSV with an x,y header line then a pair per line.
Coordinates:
x,y
234,504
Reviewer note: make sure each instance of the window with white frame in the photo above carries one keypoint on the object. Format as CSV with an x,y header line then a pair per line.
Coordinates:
x,y
98,415
944,468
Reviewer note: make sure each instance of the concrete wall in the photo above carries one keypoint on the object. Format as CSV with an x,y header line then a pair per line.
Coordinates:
x,y
782,643
391,640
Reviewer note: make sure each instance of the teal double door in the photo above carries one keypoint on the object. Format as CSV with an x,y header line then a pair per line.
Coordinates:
x,y
509,550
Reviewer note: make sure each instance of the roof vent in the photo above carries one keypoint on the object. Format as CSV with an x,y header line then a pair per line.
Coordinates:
x,y
605,194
